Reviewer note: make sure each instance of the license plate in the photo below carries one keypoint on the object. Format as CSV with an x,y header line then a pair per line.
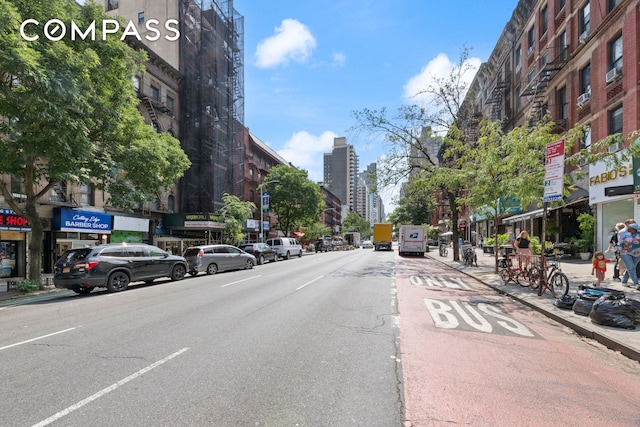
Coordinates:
x,y
66,270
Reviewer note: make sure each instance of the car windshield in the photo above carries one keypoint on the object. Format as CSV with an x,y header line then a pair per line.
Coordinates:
x,y
192,252
76,255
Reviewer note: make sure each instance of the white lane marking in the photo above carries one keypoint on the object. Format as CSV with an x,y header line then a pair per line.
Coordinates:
x,y
308,283
109,389
35,339
240,281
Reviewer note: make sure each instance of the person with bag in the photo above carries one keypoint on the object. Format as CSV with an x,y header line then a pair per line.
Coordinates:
x,y
629,245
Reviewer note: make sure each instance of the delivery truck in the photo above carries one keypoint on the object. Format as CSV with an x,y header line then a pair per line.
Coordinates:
x,y
382,234
412,240
352,239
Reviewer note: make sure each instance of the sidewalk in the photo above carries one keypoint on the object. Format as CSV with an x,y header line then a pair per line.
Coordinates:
x,y
625,341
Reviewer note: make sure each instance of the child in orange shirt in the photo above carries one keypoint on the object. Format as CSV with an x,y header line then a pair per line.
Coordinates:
x,y
599,267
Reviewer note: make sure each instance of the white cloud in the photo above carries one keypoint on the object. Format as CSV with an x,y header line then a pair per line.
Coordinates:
x,y
339,59
306,151
438,68
292,42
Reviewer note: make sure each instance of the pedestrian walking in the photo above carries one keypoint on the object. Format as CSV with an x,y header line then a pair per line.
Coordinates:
x,y
625,273
613,246
629,244
599,267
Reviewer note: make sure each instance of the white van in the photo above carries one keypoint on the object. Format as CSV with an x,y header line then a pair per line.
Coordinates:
x,y
286,247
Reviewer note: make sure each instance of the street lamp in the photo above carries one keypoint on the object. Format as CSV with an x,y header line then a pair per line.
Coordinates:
x,y
261,187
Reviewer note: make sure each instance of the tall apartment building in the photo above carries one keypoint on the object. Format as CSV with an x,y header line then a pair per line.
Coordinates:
x,y
209,56
341,174
578,61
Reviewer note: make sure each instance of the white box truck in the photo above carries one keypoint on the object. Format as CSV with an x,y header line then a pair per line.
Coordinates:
x,y
412,240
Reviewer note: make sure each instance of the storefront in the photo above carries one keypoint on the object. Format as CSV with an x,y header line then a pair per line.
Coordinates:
x,y
177,232
75,228
611,194
129,229
14,232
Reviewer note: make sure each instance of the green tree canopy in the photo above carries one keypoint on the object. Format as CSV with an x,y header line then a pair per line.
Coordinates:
x,y
233,213
69,112
354,222
294,198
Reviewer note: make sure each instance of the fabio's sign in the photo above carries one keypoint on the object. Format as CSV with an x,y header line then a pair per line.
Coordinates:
x,y
10,221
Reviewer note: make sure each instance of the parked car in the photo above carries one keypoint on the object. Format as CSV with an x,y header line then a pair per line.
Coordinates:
x,y
286,247
367,244
114,266
212,259
261,251
323,245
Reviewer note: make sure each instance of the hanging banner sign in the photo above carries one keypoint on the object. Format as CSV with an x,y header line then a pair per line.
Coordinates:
x,y
265,202
554,171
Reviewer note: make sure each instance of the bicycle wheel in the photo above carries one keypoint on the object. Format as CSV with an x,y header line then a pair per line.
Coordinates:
x,y
506,276
559,284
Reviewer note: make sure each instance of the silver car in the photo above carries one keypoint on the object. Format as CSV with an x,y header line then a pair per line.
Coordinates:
x,y
214,258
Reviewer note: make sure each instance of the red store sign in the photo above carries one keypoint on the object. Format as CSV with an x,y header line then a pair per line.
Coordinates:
x,y
10,221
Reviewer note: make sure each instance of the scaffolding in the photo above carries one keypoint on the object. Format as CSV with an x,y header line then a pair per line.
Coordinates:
x,y
212,102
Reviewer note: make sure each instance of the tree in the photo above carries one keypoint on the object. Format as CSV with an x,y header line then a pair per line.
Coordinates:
x,y
315,231
295,199
354,222
70,114
412,142
233,213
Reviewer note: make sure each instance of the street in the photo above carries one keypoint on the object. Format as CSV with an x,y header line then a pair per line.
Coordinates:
x,y
334,339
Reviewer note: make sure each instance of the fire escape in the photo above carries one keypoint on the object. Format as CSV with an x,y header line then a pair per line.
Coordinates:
x,y
497,97
537,87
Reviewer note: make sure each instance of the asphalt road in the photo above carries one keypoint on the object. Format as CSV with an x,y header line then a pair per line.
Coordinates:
x,y
312,341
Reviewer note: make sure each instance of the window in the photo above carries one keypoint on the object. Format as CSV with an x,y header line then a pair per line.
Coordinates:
x,y
531,40
518,57
17,185
170,104
155,93
251,173
615,53
561,4
171,204
585,141
611,4
585,79
86,194
584,20
543,21
252,197
615,125
112,5
563,51
140,17
136,83
562,103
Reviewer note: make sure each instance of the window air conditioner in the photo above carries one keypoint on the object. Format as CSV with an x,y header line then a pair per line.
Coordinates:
x,y
612,74
584,98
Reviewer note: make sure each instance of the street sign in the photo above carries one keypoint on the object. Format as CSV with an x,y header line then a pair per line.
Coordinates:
x,y
554,171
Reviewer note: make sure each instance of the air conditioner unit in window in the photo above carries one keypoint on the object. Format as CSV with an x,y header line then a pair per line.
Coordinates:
x,y
612,74
584,98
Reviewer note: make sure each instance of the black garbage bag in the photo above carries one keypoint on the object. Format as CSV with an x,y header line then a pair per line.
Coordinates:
x,y
611,311
635,305
566,302
582,306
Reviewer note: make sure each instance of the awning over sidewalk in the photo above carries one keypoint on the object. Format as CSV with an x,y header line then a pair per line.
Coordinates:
x,y
524,217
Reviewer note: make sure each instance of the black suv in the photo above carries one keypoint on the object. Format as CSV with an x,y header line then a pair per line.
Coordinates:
x,y
113,266
261,251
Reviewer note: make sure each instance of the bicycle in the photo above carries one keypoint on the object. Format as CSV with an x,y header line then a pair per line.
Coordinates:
x,y
556,281
443,249
470,257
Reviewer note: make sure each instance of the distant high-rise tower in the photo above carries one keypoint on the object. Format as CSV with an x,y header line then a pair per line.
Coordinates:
x,y
341,173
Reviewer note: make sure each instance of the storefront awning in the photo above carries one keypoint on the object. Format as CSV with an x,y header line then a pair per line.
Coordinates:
x,y
524,217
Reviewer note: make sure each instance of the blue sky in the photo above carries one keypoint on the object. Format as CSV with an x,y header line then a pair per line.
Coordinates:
x,y
309,64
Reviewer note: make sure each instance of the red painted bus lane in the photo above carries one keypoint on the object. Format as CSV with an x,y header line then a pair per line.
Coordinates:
x,y
472,356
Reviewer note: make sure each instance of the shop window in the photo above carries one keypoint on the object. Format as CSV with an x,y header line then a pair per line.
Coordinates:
x,y
8,258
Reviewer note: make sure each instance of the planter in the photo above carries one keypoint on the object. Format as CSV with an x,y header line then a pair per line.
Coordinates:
x,y
585,256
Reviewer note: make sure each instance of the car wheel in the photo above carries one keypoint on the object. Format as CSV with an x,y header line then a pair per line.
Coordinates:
x,y
260,259
275,258
82,291
178,272
212,269
287,255
118,281
248,265
300,254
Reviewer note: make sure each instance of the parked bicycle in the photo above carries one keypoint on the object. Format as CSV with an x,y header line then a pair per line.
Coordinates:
x,y
556,281
443,249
